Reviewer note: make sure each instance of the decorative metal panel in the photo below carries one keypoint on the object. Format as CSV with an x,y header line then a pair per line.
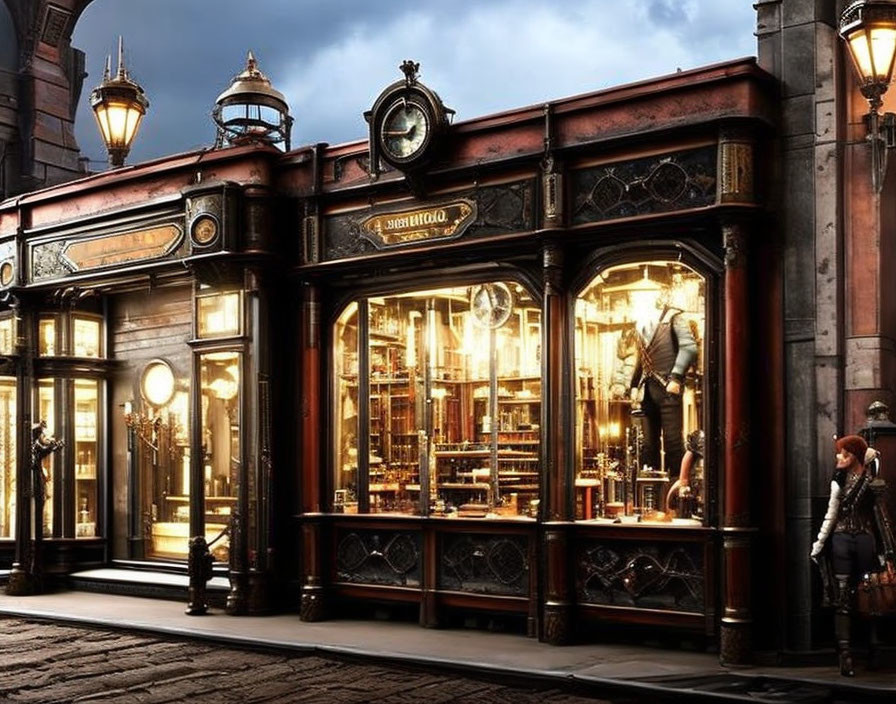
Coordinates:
x,y
664,576
484,564
379,557
655,184
501,209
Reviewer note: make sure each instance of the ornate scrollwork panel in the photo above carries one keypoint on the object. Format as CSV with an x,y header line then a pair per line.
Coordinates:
x,y
641,575
485,564
653,184
378,557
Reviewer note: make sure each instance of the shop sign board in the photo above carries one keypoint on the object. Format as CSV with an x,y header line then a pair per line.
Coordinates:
x,y
438,222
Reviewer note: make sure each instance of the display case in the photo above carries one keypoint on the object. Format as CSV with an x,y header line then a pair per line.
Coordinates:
x,y
640,420
451,423
86,453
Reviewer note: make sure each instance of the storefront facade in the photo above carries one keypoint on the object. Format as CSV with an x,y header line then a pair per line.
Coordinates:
x,y
489,432
132,334
505,365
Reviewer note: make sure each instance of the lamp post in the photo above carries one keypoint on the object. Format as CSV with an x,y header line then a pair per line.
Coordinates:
x,y
119,105
869,29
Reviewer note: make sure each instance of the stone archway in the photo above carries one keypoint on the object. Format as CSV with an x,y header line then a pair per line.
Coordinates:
x,y
43,75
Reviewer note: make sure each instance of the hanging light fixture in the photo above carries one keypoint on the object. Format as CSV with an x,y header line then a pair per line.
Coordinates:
x,y
251,110
869,29
119,105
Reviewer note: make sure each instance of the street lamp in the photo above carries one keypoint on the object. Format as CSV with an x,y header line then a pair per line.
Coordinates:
x,y
251,110
869,29
119,105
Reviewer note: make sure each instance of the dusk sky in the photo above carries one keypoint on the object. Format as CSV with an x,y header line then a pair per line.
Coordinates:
x,y
331,59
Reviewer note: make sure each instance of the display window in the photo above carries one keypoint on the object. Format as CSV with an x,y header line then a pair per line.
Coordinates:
x,y
46,337
437,403
86,453
46,411
220,383
219,314
640,331
86,337
7,457
158,424
7,335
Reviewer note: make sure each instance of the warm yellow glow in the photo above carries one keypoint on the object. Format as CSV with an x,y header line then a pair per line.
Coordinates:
x,y
118,122
86,337
157,384
47,337
219,315
7,335
224,387
873,51
883,45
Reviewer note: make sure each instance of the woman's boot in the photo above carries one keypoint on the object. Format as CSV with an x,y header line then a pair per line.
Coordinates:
x,y
842,625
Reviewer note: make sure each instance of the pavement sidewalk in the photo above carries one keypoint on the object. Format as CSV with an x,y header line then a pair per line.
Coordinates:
x,y
601,665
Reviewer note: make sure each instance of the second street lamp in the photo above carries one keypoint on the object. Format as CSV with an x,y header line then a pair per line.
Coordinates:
x,y
119,105
869,29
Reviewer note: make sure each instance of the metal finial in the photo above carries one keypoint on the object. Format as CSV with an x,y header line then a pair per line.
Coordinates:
x,y
107,72
251,63
122,71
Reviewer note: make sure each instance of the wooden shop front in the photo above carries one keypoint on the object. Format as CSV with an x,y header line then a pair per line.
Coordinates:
x,y
133,305
478,303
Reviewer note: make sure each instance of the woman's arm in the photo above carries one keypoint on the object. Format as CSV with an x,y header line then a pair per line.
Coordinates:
x,y
829,518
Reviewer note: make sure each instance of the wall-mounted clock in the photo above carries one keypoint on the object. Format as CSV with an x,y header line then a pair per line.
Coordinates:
x,y
491,304
405,130
407,122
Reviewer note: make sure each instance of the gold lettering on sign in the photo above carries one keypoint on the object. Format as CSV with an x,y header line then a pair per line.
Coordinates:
x,y
435,223
139,245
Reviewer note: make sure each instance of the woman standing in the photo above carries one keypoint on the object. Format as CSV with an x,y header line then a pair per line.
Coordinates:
x,y
860,538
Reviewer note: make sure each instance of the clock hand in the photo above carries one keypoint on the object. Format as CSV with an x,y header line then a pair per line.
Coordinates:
x,y
399,133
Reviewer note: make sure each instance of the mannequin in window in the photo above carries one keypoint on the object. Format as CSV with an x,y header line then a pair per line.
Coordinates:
x,y
666,350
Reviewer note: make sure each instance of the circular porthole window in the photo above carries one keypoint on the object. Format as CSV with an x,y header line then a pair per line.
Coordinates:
x,y
157,383
7,273
204,230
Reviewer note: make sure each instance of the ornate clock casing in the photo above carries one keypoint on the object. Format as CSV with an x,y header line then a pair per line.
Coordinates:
x,y
406,122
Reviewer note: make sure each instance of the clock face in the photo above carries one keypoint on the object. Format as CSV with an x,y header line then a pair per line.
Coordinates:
x,y
491,304
405,131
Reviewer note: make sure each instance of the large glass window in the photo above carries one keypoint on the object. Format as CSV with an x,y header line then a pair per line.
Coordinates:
x,y
438,403
639,353
159,428
46,411
220,380
7,457
86,337
219,314
7,335
86,453
46,337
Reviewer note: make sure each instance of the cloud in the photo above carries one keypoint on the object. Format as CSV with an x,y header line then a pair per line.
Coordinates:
x,y
332,59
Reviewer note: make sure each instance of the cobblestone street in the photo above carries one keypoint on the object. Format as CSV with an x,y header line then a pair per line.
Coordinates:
x,y
46,663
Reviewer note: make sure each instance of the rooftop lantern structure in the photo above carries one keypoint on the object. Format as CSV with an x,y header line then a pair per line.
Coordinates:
x,y
119,105
251,111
